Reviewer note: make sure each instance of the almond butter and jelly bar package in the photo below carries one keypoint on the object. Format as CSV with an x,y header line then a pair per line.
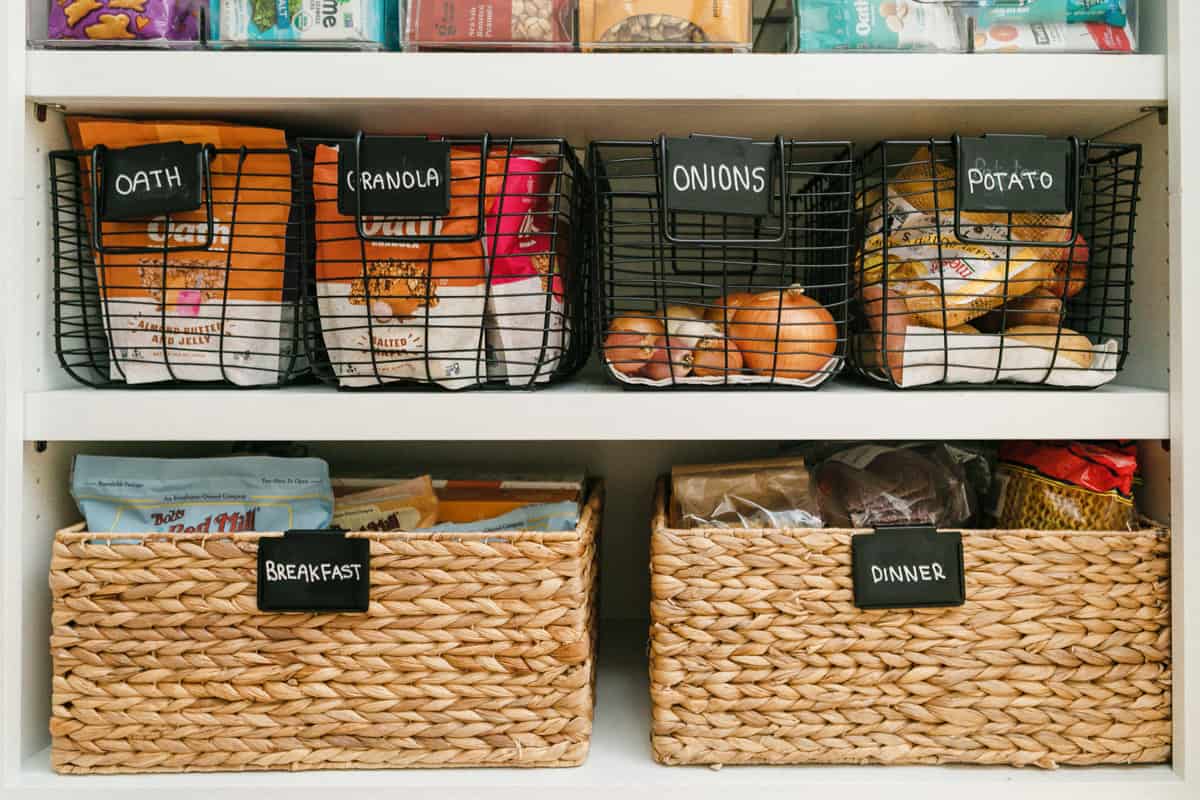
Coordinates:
x,y
208,314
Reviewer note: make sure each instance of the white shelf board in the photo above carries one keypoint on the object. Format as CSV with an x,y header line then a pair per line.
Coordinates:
x,y
586,410
620,764
859,95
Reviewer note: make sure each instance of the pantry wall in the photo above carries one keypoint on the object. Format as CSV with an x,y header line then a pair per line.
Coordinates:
x,y
628,438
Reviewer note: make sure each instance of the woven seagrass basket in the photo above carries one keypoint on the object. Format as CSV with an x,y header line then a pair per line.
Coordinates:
x,y
477,650
758,655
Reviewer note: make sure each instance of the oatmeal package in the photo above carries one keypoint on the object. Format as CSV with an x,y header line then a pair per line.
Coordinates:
x,y
665,24
404,310
111,21
198,314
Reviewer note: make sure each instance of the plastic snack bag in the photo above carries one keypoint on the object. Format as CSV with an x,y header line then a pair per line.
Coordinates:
x,y
1075,486
313,22
401,506
199,314
562,516
202,495
772,493
1062,12
112,21
876,25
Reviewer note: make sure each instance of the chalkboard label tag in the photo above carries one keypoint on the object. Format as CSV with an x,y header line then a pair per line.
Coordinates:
x,y
151,180
911,567
719,175
1015,173
313,571
396,176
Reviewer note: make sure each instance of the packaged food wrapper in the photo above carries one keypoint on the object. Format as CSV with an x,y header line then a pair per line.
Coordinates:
x,y
665,24
1110,12
875,25
314,22
202,495
561,516
401,506
1050,37
489,24
877,485
772,493
118,21
1074,486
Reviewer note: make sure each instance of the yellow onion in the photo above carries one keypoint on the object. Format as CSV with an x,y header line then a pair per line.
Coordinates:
x,y
784,334
629,343
716,356
680,360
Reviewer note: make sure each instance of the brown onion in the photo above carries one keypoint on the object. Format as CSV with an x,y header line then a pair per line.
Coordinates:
x,y
715,357
784,334
629,344
680,360
721,313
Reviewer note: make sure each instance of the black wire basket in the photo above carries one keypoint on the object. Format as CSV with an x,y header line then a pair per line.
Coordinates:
x,y
722,262
1019,274
157,294
423,280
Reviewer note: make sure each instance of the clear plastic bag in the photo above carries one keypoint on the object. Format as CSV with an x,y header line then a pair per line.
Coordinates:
x,y
774,493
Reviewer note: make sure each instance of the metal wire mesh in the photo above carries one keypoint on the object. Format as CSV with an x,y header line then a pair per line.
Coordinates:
x,y
691,299
1010,297
209,297
491,295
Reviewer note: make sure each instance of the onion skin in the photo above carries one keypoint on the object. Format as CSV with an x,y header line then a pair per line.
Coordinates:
x,y
1070,276
806,333
716,357
721,314
629,343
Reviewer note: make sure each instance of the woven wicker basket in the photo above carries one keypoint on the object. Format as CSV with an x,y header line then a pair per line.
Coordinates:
x,y
758,654
478,650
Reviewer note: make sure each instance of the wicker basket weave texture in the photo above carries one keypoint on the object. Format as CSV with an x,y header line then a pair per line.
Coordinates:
x,y
1061,654
477,650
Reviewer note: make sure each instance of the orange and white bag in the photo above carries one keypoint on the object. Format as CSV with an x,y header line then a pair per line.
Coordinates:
x,y
199,315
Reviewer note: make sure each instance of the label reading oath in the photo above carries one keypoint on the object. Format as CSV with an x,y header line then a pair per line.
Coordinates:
x,y
1015,173
395,176
908,568
150,180
715,175
313,571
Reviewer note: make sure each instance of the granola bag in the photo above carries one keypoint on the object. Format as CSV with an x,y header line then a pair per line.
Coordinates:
x,y
182,315
398,310
124,20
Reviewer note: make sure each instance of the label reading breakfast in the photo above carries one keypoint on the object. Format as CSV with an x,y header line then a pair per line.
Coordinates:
x,y
907,568
150,180
313,571
717,175
1014,173
394,176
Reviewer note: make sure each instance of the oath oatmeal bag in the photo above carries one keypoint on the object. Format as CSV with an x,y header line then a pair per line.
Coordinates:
x,y
215,314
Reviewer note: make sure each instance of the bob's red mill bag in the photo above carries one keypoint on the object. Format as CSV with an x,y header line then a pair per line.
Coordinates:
x,y
208,314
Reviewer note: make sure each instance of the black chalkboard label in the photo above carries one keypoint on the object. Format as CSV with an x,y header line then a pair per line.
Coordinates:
x,y
718,175
1015,173
151,180
396,176
908,568
313,571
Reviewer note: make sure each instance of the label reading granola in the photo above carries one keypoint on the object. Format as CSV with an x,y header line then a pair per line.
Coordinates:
x,y
394,175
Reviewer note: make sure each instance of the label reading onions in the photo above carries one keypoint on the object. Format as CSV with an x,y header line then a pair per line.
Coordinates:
x,y
719,175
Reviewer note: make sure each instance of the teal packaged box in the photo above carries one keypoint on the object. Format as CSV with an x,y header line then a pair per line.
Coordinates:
x,y
825,25
1062,12
313,23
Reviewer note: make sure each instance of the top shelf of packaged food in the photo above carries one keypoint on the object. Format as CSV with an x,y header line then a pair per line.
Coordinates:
x,y
614,94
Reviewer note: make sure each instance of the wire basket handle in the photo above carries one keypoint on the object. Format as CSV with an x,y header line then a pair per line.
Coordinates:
x,y
484,149
664,214
1072,197
98,154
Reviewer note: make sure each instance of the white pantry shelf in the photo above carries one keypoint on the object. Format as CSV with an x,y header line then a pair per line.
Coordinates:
x,y
620,764
595,411
582,96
